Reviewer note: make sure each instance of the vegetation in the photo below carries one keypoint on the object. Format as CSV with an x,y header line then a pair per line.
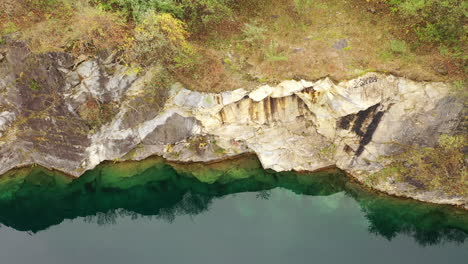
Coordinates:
x,y
253,32
440,168
302,6
91,30
198,13
160,35
214,45
434,21
274,53
439,23
9,27
96,114
34,85
398,46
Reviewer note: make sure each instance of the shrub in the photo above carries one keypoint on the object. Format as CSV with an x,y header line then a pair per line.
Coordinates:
x,y
160,36
197,13
448,142
434,21
137,9
200,14
253,32
187,60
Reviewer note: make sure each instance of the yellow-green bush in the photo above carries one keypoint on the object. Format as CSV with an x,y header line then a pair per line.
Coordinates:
x,y
160,37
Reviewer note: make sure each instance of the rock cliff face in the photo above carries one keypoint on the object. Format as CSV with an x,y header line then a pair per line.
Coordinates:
x,y
295,125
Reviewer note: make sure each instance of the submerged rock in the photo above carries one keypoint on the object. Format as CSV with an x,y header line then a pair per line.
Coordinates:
x,y
296,125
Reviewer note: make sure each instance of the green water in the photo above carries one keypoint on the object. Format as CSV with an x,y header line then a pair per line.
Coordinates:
x,y
235,212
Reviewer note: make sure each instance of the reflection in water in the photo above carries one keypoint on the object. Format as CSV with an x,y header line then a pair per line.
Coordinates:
x,y
35,199
427,224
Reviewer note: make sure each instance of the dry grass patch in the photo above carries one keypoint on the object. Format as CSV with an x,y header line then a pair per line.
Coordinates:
x,y
305,34
211,74
87,31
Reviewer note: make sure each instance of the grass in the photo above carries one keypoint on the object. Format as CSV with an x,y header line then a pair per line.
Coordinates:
x,y
90,30
34,85
398,46
303,6
9,27
232,44
458,88
274,53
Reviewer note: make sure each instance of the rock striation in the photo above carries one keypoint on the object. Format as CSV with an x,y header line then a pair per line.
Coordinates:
x,y
295,125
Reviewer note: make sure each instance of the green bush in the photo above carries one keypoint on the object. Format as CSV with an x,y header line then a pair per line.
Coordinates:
x,y
203,13
253,32
434,21
197,13
136,9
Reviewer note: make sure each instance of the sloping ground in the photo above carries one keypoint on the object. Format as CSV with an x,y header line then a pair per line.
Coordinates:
x,y
340,39
257,43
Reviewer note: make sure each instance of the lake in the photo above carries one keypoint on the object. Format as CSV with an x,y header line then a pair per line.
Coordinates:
x,y
231,212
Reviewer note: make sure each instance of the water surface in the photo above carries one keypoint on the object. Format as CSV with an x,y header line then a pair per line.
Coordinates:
x,y
232,212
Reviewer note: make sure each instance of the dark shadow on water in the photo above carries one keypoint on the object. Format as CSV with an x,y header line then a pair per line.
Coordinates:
x,y
37,199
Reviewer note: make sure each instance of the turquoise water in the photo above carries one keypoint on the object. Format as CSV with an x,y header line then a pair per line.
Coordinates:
x,y
167,214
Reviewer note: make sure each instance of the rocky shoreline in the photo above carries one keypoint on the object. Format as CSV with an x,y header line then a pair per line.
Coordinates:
x,y
355,125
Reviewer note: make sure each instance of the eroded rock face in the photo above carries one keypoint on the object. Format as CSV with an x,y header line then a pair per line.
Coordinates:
x,y
40,122
296,125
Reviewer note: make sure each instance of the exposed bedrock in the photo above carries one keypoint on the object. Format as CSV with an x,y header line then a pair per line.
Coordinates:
x,y
45,119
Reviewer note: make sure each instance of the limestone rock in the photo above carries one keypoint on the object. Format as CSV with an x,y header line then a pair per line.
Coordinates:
x,y
295,125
